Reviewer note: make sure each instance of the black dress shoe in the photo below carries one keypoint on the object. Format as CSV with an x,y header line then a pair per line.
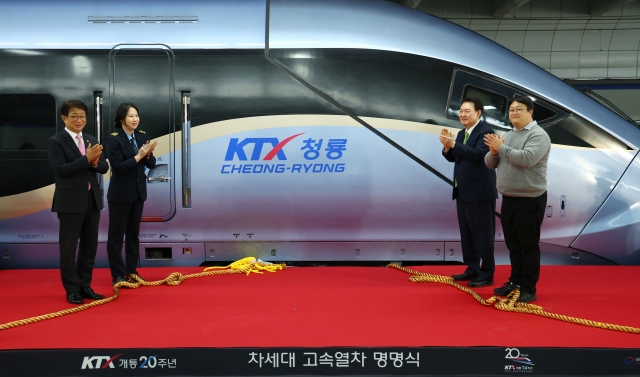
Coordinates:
x,y
89,293
131,280
118,279
480,282
526,297
505,289
75,298
465,276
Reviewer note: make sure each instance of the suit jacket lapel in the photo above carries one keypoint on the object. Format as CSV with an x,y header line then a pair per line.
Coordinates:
x,y
72,143
473,136
127,143
139,138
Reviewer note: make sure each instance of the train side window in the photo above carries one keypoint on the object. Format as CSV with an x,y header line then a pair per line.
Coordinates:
x,y
541,113
562,127
495,95
494,104
27,121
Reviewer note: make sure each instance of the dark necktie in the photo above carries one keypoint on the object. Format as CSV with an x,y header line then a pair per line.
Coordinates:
x,y
133,144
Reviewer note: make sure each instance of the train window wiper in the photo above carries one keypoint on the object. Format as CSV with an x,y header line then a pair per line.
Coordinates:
x,y
609,105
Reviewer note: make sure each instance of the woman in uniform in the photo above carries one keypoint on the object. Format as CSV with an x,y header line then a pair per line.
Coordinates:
x,y
129,152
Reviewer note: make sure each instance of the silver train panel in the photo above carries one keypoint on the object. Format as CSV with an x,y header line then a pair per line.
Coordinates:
x,y
326,251
222,24
228,24
367,194
615,229
368,197
384,26
379,196
170,254
46,255
549,255
595,172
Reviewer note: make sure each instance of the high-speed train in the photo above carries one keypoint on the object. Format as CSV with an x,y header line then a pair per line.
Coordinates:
x,y
295,130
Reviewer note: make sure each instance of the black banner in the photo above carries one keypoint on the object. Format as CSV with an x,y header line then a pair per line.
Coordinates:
x,y
352,361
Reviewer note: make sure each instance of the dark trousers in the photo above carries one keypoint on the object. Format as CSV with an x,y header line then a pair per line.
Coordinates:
x,y
521,220
477,223
77,273
124,222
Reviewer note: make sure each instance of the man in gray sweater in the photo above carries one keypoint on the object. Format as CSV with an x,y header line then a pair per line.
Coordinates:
x,y
521,159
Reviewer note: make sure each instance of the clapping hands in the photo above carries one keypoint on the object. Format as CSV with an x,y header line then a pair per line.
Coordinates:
x,y
147,149
447,138
93,154
493,141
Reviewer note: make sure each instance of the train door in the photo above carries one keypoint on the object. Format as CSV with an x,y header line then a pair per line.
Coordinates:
x,y
144,75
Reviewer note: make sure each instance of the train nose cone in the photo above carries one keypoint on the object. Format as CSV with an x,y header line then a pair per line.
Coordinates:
x,y
614,232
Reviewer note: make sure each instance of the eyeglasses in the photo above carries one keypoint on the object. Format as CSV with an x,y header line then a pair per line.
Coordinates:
x,y
74,118
516,111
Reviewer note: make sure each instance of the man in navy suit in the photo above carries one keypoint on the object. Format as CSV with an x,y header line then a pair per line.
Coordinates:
x,y
77,160
474,191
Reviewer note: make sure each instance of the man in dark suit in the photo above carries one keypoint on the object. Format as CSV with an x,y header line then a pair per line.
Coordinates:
x,y
129,152
474,191
77,159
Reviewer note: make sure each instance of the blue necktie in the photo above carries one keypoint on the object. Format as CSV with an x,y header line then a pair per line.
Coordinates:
x,y
133,144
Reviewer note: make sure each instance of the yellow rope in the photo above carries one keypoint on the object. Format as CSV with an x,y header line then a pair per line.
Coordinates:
x,y
246,265
510,303
253,265
250,264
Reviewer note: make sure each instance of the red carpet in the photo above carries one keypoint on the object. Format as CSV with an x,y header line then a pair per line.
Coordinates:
x,y
320,307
